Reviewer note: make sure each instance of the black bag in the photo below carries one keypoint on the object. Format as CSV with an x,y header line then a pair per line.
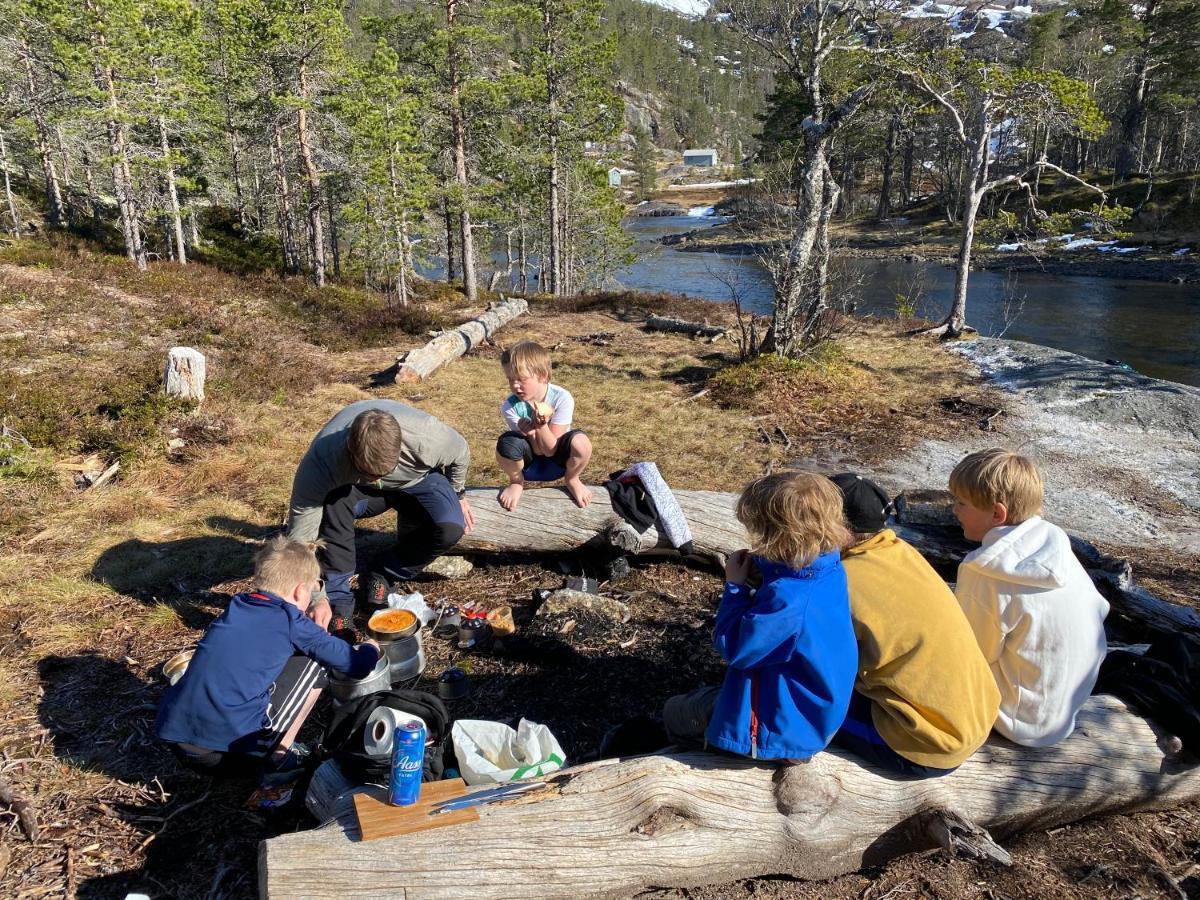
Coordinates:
x,y
344,736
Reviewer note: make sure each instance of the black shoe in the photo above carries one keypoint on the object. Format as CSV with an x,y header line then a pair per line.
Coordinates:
x,y
376,590
634,737
343,627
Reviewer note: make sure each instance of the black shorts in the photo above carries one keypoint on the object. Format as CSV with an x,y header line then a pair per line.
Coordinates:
x,y
514,445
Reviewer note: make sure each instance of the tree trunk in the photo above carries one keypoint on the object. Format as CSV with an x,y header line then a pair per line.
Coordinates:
x,y
331,211
906,176
122,177
795,286
556,286
522,255
184,374
316,232
448,221
619,827
54,201
8,193
416,365
973,192
172,194
89,179
1134,118
458,133
287,221
883,209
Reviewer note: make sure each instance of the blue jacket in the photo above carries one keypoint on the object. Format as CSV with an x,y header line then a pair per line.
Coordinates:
x,y
792,661
221,701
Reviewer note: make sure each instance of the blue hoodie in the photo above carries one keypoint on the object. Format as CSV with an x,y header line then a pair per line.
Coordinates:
x,y
220,703
792,661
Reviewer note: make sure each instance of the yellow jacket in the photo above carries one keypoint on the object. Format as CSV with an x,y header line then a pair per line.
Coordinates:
x,y
934,697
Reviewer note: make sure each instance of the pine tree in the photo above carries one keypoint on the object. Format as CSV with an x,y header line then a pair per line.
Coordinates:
x,y
643,163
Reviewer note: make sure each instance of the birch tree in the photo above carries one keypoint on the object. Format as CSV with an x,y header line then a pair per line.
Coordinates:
x,y
977,98
802,37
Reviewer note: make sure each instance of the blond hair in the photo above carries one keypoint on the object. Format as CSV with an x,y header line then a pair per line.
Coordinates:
x,y
994,476
793,517
375,442
527,358
283,564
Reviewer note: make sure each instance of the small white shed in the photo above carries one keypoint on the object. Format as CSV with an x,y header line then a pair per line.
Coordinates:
x,y
707,157
615,175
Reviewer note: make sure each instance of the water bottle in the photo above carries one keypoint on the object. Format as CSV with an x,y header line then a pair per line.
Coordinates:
x,y
408,762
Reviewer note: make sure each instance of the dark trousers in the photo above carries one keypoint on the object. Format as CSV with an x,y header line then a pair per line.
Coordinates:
x,y
289,693
429,521
859,735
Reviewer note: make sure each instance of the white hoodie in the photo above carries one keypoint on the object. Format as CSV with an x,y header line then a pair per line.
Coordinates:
x,y
1040,623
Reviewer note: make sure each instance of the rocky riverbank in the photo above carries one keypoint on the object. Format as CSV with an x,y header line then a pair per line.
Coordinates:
x,y
1120,452
1143,265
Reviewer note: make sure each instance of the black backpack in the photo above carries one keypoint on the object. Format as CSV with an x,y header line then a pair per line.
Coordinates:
x,y
345,733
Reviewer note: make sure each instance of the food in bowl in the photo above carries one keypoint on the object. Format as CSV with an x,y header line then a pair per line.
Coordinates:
x,y
392,621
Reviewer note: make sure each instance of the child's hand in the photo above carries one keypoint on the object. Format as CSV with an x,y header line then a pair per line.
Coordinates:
x,y
737,567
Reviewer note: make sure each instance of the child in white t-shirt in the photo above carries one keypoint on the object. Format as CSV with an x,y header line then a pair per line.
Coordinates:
x,y
540,444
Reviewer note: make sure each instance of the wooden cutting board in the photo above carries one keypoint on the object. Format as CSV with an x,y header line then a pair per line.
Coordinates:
x,y
378,819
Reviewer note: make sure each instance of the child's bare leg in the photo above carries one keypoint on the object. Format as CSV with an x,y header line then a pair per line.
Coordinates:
x,y
581,455
289,738
510,496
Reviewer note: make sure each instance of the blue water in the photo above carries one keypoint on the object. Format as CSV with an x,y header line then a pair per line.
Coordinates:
x,y
1153,327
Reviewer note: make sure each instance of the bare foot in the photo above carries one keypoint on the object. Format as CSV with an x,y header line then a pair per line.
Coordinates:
x,y
580,492
511,495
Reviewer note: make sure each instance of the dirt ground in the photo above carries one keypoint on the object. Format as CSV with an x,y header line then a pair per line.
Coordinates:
x,y
99,587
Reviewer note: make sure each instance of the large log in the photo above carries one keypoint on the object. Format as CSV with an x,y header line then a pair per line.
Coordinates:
x,y
547,521
682,326
618,827
418,364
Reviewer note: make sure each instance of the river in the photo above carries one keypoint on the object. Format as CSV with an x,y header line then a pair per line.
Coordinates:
x,y
1151,326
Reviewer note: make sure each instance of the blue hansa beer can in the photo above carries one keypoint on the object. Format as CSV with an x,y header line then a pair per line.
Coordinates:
x,y
408,761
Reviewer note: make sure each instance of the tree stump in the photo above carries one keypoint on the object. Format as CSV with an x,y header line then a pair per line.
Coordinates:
x,y
184,375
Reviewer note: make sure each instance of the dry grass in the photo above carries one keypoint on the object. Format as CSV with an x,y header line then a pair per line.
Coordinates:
x,y
98,588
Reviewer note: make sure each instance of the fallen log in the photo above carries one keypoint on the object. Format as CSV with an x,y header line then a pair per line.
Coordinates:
x,y
681,326
548,522
618,827
416,365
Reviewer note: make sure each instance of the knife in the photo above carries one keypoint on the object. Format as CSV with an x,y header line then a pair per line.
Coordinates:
x,y
491,795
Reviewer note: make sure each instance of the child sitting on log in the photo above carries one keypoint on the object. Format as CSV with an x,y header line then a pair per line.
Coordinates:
x,y
540,444
924,699
257,672
790,643
1035,612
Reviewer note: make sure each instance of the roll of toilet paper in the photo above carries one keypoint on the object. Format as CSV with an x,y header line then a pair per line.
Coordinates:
x,y
381,729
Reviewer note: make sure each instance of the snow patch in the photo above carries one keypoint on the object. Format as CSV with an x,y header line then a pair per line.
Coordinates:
x,y
1182,251
1009,248
693,9
701,212
1081,243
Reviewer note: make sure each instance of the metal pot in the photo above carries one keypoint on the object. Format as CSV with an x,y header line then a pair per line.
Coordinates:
x,y
403,649
345,688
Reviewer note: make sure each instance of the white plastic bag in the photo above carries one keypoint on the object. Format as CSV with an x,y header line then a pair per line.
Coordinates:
x,y
492,753
414,603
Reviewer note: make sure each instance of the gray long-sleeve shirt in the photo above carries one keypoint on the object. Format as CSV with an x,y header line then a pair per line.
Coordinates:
x,y
426,444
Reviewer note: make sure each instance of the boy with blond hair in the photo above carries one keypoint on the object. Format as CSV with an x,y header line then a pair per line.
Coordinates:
x,y
540,444
1035,612
257,671
790,643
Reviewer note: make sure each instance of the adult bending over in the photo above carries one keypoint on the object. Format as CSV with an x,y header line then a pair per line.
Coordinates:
x,y
373,456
